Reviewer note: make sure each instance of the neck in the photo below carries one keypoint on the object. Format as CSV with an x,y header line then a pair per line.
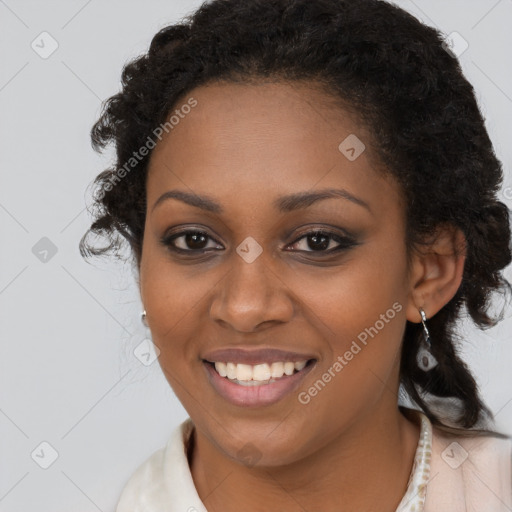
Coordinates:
x,y
366,467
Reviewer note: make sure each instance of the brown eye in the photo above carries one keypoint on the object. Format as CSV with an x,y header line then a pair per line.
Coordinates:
x,y
322,241
188,241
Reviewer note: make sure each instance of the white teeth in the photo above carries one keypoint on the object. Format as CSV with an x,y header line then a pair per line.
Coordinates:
x,y
231,370
221,369
261,372
243,372
288,368
277,370
249,374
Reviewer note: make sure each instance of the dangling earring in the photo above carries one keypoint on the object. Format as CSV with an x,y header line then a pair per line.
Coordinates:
x,y
426,361
143,318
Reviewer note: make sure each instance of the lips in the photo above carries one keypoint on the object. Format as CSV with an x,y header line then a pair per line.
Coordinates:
x,y
255,356
256,393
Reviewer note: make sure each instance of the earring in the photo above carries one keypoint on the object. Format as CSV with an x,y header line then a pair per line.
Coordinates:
x,y
143,318
425,359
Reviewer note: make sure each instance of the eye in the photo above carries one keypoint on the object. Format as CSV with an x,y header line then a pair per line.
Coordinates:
x,y
197,241
189,241
321,241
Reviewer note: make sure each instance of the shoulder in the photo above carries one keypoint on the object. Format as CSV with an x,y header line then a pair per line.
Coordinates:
x,y
470,472
144,482
163,480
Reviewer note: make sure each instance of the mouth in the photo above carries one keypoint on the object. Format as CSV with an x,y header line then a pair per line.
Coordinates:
x,y
259,374
256,385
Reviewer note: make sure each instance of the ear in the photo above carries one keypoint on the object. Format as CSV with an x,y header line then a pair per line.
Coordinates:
x,y
436,272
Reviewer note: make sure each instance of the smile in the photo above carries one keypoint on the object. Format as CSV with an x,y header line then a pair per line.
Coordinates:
x,y
259,374
256,385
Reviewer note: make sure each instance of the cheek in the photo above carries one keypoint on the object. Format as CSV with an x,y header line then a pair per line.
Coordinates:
x,y
368,288
359,311
172,299
362,325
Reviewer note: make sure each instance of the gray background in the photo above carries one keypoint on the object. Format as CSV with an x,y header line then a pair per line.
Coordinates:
x,y
69,376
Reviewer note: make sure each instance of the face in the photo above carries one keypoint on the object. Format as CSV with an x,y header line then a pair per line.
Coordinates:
x,y
270,248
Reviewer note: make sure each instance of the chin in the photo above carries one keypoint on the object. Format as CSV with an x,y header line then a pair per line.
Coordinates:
x,y
264,446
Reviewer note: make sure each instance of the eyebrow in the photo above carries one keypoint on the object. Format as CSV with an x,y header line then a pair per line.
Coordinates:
x,y
283,204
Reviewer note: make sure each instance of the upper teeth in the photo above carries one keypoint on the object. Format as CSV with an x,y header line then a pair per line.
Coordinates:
x,y
259,372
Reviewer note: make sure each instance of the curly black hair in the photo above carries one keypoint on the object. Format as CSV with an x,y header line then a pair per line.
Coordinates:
x,y
407,89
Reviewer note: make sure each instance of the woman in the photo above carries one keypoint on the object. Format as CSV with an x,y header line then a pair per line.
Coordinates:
x,y
310,197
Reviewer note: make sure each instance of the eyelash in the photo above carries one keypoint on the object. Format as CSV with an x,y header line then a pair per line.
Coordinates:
x,y
344,242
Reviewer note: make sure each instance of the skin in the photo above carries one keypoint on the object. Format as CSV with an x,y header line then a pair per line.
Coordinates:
x,y
244,145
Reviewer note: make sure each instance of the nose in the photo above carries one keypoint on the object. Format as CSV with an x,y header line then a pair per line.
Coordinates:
x,y
250,295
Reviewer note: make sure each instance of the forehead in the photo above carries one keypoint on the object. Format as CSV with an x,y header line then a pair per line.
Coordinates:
x,y
230,115
248,141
